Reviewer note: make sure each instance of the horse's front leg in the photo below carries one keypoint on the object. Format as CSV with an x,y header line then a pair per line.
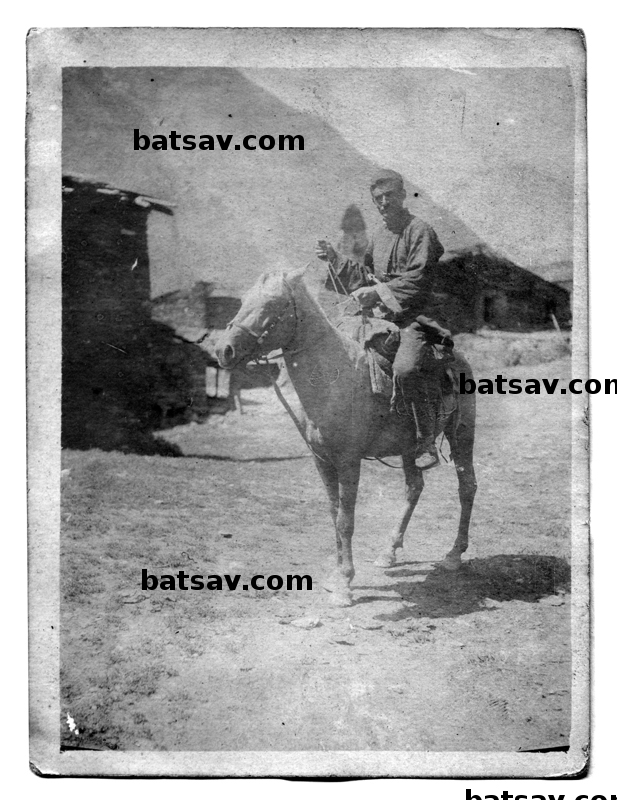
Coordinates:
x,y
414,483
340,581
329,476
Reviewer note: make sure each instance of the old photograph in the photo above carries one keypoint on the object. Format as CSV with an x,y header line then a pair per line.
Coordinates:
x,y
307,316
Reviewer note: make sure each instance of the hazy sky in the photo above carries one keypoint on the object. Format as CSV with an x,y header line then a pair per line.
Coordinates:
x,y
495,146
487,155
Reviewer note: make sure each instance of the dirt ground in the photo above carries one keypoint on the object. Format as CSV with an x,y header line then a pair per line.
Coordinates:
x,y
425,660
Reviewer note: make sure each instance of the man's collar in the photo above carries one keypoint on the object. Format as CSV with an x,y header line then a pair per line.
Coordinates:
x,y
401,223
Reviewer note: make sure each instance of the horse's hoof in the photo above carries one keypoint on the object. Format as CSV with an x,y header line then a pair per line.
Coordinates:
x,y
385,560
334,585
451,563
341,599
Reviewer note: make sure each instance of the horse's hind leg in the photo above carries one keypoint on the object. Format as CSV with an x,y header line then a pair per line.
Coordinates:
x,y
414,483
462,455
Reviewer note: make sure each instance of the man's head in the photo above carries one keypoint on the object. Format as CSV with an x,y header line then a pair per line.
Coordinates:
x,y
388,193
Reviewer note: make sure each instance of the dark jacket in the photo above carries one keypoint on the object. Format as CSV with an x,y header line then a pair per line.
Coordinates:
x,y
404,263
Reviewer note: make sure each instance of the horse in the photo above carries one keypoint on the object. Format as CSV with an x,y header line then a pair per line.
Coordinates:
x,y
340,418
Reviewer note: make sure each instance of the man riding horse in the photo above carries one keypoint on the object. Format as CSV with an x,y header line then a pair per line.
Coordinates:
x,y
397,275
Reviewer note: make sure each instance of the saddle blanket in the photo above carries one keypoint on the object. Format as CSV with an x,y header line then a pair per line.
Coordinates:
x,y
381,339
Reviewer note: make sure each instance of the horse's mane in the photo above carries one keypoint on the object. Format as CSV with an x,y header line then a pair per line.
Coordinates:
x,y
272,282
308,297
298,282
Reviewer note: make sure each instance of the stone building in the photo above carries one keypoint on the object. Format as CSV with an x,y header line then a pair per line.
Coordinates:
x,y
123,373
476,288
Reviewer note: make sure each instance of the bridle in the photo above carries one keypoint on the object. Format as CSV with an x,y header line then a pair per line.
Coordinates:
x,y
261,337
264,360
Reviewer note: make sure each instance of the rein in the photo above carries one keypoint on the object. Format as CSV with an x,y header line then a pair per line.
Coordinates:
x,y
381,461
263,359
260,337
290,410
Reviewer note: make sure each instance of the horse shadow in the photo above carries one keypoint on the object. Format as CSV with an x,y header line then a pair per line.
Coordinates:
x,y
436,592
247,459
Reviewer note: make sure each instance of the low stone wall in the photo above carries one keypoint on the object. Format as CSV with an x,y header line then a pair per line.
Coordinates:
x,y
488,350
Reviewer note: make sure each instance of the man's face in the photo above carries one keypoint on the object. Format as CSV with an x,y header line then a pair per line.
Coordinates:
x,y
389,197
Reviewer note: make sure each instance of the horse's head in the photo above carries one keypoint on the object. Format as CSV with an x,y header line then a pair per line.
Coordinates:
x,y
266,321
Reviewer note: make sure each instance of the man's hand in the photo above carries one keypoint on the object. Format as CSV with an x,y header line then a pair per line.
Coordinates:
x,y
325,251
366,297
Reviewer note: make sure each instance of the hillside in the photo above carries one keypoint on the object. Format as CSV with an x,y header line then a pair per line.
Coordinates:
x,y
237,212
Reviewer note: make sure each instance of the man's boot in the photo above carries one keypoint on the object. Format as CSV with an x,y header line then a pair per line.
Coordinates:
x,y
424,413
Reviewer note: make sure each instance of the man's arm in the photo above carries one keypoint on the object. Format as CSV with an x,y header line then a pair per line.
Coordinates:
x,y
344,275
413,287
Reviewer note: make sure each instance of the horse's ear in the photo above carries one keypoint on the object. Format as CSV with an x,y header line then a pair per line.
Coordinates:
x,y
298,273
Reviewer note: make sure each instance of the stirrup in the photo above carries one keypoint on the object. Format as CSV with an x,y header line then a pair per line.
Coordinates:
x,y
428,458
400,408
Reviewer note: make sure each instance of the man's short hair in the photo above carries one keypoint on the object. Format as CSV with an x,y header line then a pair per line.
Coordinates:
x,y
386,176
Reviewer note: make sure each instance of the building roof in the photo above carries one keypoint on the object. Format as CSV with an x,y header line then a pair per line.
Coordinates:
x,y
558,272
72,182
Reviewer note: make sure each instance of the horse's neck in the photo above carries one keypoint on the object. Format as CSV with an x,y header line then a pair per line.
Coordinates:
x,y
318,353
315,336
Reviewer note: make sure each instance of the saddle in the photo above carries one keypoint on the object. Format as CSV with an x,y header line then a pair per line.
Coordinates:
x,y
381,338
